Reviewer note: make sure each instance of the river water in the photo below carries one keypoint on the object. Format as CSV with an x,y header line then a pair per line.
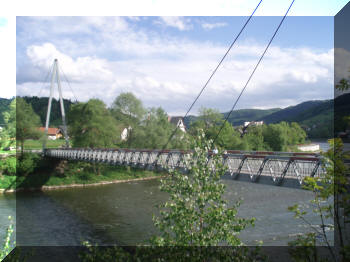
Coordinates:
x,y
122,213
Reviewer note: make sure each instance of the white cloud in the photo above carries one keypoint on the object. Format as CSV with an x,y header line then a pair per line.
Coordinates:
x,y
169,72
209,26
81,69
7,53
178,22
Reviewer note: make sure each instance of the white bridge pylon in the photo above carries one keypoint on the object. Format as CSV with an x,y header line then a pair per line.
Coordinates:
x,y
55,72
276,165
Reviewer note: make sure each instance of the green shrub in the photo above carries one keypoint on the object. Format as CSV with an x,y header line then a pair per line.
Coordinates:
x,y
8,166
27,163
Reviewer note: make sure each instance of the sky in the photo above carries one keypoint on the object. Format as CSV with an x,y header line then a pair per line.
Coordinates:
x,y
165,60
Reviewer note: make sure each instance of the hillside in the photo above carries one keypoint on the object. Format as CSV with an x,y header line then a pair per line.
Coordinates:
x,y
238,117
39,105
4,105
296,113
316,117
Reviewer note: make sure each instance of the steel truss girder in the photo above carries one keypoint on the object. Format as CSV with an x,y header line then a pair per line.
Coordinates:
x,y
256,164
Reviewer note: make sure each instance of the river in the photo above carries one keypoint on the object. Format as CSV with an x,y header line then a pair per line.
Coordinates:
x,y
122,213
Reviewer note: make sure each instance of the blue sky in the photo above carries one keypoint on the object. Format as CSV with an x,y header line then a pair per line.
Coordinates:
x,y
165,61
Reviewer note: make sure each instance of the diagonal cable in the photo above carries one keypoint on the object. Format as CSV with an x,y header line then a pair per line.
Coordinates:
x,y
214,71
251,75
47,75
64,75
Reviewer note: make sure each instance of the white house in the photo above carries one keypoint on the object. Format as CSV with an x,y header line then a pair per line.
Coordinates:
x,y
178,121
253,123
125,133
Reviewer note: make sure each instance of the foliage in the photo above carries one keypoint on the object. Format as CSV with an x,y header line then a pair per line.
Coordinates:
x,y
37,144
331,199
128,109
8,243
8,134
4,106
197,214
91,125
279,136
27,122
276,137
39,105
343,85
194,223
238,117
171,254
27,163
155,130
8,166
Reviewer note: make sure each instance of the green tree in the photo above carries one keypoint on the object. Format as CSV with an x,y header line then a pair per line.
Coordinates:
x,y
8,243
196,213
331,201
255,138
129,112
276,137
208,120
127,108
155,130
91,125
296,134
8,134
27,122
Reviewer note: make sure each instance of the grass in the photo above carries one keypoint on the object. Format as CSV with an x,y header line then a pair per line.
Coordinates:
x,y
7,152
38,144
75,173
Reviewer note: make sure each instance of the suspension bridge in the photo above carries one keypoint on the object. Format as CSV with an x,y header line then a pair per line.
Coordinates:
x,y
277,166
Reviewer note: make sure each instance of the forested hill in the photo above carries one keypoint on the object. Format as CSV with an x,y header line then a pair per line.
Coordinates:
x,y
4,105
293,113
238,117
316,117
39,105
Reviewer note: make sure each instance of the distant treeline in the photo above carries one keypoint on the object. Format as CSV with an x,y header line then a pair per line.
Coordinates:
x,y
319,118
4,106
39,105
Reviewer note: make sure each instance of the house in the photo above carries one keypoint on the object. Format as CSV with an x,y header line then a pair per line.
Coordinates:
x,y
53,133
125,133
178,121
253,123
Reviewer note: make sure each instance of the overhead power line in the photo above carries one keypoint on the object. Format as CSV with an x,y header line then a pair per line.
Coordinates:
x,y
251,75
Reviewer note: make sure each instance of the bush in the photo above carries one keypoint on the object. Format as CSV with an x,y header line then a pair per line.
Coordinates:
x,y
8,166
27,163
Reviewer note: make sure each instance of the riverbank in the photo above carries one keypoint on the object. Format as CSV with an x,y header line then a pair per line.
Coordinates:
x,y
47,188
51,174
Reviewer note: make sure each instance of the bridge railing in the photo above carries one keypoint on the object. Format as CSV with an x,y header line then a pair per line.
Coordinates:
x,y
277,165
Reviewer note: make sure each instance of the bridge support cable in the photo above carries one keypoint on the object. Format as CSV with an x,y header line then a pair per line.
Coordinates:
x,y
55,73
251,75
46,78
214,71
70,87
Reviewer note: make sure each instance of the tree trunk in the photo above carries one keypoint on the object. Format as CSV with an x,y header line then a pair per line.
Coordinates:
x,y
22,147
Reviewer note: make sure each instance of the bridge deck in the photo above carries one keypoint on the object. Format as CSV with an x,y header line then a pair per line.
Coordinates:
x,y
276,165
